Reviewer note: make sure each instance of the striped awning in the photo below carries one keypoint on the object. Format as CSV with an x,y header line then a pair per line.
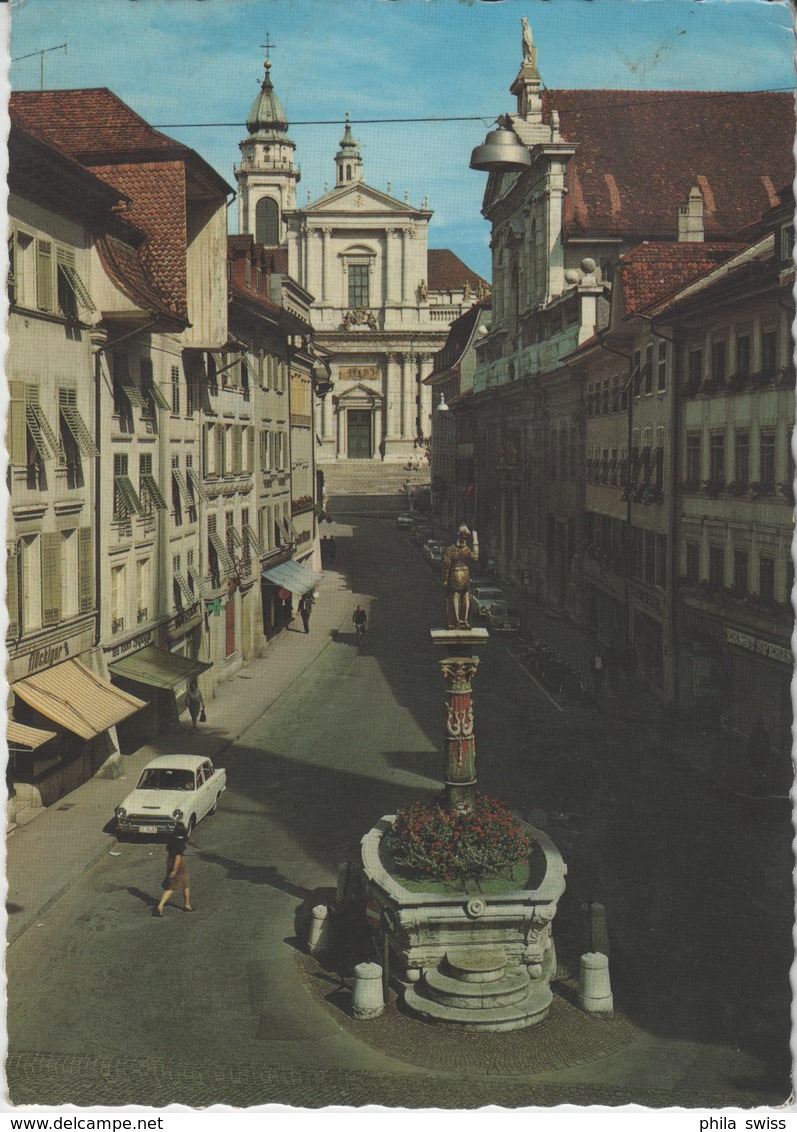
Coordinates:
x,y
292,576
157,668
19,735
73,696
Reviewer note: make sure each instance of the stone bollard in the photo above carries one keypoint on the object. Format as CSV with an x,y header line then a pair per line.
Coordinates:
x,y
367,1001
320,930
595,991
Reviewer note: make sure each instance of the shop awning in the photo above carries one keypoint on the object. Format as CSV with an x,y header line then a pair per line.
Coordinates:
x,y
157,668
292,576
73,696
19,735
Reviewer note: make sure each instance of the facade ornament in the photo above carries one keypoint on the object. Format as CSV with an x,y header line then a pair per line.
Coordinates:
x,y
466,291
482,290
528,42
422,291
359,318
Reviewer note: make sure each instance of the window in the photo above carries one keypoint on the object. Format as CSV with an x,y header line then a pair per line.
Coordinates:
x,y
786,243
769,352
693,563
716,565
267,222
31,596
740,580
213,381
31,440
51,577
648,369
716,457
695,368
125,499
741,456
150,391
718,363
743,356
142,589
69,573
767,458
149,491
766,578
175,389
118,598
661,382
693,458
265,450
637,375
358,274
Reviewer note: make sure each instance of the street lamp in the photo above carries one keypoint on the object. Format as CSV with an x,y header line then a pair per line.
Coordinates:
x,y
502,152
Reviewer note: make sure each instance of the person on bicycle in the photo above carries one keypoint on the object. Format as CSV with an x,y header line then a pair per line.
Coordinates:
x,y
359,620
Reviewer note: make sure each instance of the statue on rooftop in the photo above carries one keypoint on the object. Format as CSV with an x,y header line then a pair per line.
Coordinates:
x,y
528,43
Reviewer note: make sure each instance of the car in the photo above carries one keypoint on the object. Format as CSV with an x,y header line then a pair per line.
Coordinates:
x,y
172,790
405,520
503,618
421,533
482,596
433,552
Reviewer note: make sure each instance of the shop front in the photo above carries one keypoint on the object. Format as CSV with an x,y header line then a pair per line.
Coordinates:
x,y
162,678
282,585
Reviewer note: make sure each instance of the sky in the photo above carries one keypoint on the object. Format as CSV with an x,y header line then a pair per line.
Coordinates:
x,y
201,61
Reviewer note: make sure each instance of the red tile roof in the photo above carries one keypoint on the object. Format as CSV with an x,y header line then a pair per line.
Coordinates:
x,y
649,272
638,153
123,266
447,272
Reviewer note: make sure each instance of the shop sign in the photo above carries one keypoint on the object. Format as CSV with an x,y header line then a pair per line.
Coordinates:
x,y
48,656
137,642
763,648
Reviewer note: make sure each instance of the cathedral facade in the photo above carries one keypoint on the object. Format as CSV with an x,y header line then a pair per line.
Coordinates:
x,y
383,300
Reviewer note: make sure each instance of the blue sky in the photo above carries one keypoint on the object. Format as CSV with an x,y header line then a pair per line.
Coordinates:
x,y
179,61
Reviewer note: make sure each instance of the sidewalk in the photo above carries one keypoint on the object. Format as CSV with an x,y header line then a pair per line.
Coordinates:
x,y
720,757
48,854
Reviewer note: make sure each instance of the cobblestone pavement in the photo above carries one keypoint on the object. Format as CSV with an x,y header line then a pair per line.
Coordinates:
x,y
60,1079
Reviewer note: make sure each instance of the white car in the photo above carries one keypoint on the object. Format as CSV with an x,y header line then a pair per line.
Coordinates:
x,y
172,790
483,597
405,519
433,552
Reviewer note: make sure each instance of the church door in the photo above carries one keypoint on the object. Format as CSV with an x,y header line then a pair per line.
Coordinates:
x,y
359,434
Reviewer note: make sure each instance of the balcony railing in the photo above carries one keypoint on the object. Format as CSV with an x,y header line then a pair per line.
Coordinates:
x,y
117,624
142,615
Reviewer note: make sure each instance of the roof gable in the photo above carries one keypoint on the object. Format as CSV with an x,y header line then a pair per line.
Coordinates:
x,y
447,272
650,271
356,197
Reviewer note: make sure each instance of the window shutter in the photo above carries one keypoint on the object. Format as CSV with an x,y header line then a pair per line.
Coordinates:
x,y
237,448
205,448
44,275
250,449
85,570
220,469
12,590
17,435
51,577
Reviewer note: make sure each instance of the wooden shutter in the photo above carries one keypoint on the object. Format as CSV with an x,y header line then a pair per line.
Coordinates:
x,y
85,547
237,448
51,577
220,469
12,590
206,448
17,434
44,275
250,448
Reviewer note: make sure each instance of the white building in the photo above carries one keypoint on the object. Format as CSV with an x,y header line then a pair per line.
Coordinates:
x,y
383,300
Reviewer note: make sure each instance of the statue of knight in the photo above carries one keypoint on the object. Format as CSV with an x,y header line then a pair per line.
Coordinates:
x,y
457,559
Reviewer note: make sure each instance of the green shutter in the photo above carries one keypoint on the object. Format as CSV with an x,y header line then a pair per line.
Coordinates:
x,y
44,275
85,569
250,448
17,434
220,450
51,577
12,590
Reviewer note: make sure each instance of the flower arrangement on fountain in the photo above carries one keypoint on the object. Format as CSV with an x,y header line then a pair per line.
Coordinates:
x,y
480,842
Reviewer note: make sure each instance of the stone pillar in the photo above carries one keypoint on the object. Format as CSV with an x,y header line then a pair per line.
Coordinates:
x,y
405,238
367,1001
460,770
392,397
320,930
426,396
377,436
326,418
341,454
408,397
326,233
393,257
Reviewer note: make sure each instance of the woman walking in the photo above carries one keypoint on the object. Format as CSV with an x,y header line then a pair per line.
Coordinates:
x,y
196,705
176,871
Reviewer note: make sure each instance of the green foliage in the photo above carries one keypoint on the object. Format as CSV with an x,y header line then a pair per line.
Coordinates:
x,y
482,842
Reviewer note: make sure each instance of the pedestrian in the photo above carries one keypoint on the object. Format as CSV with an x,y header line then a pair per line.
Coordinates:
x,y
305,609
598,672
176,870
332,550
195,704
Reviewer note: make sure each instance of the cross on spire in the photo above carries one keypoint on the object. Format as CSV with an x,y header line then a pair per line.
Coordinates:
x,y
267,46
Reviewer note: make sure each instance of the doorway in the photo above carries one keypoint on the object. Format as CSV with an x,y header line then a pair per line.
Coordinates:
x,y
358,423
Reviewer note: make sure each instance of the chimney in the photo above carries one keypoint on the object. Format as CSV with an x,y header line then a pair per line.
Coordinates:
x,y
690,219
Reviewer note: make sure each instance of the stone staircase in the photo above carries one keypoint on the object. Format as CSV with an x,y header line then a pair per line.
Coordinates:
x,y
368,477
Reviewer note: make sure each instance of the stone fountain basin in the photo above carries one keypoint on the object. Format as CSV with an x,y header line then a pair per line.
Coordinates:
x,y
511,912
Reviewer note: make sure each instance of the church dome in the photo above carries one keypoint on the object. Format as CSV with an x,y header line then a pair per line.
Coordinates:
x,y
267,120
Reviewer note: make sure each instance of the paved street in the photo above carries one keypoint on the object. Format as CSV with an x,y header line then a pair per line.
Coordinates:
x,y
696,880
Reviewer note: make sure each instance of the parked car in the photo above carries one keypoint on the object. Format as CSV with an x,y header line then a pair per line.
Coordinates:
x,y
172,789
433,552
483,596
405,520
503,618
421,532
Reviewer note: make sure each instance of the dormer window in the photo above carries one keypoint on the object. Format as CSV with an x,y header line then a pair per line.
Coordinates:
x,y
786,243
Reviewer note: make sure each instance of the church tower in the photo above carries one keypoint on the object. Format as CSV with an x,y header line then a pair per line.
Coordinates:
x,y
266,177
348,159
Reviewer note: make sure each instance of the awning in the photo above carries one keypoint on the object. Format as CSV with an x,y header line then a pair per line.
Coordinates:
x,y
72,695
157,668
18,735
292,576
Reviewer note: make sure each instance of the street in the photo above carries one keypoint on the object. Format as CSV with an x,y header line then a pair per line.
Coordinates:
x,y
696,882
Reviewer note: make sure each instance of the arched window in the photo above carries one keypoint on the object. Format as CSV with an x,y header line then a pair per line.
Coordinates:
x,y
348,172
267,222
